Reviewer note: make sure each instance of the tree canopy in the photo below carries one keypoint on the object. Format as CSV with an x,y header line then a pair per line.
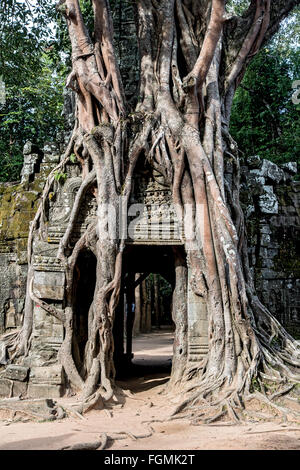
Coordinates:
x,y
264,119
32,71
35,55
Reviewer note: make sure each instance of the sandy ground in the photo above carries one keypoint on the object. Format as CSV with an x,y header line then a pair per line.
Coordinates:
x,y
148,377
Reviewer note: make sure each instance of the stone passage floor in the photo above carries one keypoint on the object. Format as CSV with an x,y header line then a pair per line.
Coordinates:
x,y
145,401
154,348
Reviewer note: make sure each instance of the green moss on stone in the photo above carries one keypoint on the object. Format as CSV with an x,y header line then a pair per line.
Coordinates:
x,y
18,205
287,260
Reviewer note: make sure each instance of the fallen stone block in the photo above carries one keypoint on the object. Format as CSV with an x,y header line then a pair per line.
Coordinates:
x,y
45,391
41,409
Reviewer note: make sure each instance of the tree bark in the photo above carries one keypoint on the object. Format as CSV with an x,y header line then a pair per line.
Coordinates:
x,y
192,58
156,300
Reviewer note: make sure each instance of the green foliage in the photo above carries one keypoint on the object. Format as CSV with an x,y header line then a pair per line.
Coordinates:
x,y
237,7
264,119
73,158
255,386
33,72
88,14
165,288
35,58
60,177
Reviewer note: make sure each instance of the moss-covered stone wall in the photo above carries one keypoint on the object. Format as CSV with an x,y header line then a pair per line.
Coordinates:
x,y
18,204
271,201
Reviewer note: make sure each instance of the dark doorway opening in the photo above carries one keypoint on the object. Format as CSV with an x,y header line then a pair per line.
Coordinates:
x,y
84,287
143,328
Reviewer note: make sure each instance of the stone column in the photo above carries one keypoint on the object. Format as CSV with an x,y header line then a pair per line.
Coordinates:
x,y
197,325
179,316
138,306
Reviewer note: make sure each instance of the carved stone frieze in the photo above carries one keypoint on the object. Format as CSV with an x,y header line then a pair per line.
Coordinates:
x,y
60,211
152,216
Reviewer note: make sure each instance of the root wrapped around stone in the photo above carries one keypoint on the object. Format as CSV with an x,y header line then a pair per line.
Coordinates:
x,y
180,127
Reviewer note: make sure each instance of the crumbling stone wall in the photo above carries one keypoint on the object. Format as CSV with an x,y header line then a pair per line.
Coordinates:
x,y
271,201
270,198
18,204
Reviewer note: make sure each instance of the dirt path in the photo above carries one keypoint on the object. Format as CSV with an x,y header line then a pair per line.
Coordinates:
x,y
147,403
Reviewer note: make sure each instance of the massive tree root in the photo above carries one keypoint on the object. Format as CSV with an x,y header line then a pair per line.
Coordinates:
x,y
192,58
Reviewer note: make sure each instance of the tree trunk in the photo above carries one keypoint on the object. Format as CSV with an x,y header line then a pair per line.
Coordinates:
x,y
146,307
192,58
156,300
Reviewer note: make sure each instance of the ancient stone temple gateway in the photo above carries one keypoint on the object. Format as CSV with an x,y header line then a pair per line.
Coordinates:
x,y
154,242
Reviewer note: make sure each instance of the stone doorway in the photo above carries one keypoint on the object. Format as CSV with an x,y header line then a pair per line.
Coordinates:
x,y
145,267
153,328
